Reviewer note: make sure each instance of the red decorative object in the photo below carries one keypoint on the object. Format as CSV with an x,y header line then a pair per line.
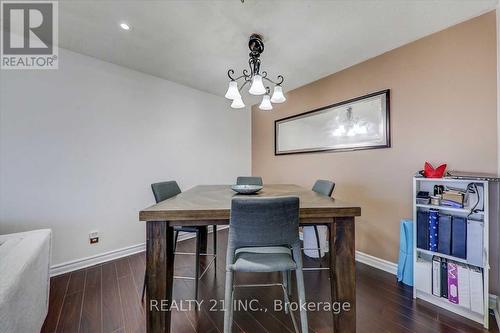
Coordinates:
x,y
430,172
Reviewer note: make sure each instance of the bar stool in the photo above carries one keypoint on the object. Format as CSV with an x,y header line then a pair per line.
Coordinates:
x,y
264,237
166,190
324,187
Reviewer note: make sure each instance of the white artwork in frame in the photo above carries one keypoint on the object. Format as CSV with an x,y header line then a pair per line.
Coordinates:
x,y
355,124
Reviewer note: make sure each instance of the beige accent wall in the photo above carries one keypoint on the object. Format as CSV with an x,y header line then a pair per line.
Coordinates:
x,y
443,109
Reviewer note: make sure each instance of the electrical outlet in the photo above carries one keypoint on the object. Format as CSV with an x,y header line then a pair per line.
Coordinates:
x,y
94,237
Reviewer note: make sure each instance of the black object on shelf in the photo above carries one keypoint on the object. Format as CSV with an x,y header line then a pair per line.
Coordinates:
x,y
423,198
459,237
444,239
438,189
423,194
423,230
444,278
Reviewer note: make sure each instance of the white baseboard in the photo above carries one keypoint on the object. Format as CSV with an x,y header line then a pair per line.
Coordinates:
x,y
495,306
382,264
100,258
493,301
74,265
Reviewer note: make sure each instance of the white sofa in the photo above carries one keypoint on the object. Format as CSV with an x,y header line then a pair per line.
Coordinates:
x,y
24,280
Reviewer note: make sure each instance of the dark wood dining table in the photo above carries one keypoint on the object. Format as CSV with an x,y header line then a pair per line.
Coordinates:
x,y
205,205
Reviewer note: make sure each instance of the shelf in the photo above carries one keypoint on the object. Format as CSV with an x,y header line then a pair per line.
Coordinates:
x,y
446,256
450,209
452,180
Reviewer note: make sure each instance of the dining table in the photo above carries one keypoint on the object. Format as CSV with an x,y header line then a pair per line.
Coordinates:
x,y
205,205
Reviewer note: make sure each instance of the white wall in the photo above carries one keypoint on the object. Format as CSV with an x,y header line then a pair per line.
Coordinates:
x,y
80,146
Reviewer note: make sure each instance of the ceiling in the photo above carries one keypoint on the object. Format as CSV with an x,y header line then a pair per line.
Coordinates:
x,y
194,43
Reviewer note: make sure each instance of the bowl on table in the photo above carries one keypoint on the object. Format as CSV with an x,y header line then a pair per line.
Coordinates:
x,y
246,189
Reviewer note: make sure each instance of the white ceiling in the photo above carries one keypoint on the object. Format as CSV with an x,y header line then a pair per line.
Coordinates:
x,y
195,42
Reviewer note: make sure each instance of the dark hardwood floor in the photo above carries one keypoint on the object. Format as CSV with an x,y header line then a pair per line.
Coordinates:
x,y
106,298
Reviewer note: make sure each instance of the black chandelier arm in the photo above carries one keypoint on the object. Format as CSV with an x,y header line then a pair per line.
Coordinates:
x,y
278,83
239,77
267,79
244,84
245,75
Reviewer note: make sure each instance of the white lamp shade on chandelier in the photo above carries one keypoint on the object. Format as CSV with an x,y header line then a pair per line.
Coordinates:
x,y
257,87
237,103
266,103
278,96
232,91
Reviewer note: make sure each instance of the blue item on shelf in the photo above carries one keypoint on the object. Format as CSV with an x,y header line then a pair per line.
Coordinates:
x,y
433,230
459,237
405,262
423,230
444,234
451,203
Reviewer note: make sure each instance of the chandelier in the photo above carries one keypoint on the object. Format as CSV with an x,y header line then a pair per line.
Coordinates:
x,y
350,124
256,79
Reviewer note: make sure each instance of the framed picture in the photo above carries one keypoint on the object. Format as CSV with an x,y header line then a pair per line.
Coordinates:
x,y
355,124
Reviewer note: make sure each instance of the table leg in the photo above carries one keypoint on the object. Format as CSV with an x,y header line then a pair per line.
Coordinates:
x,y
203,239
343,284
160,274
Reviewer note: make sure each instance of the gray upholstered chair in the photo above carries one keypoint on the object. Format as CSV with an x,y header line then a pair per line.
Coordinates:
x,y
264,237
166,190
249,181
324,187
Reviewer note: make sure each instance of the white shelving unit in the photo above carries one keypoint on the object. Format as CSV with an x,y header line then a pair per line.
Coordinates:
x,y
449,209
489,214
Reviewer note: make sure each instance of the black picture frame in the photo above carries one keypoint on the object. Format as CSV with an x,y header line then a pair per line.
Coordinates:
x,y
387,144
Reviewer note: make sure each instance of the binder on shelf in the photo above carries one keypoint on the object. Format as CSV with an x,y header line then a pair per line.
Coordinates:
x,y
475,242
476,290
458,237
422,229
444,278
463,286
444,234
433,230
436,276
452,282
423,275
